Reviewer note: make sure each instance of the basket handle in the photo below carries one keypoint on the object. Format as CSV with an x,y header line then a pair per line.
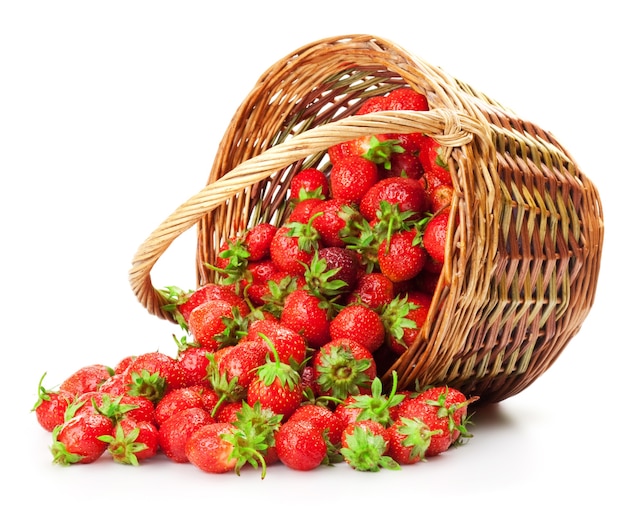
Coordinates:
x,y
450,129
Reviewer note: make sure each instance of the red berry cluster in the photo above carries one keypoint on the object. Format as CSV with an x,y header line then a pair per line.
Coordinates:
x,y
280,355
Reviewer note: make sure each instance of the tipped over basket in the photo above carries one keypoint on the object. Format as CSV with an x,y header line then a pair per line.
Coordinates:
x,y
522,264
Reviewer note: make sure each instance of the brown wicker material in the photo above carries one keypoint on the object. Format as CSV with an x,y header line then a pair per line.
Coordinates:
x,y
522,264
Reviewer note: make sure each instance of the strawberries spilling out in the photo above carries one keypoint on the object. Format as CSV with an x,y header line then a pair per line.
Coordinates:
x,y
280,357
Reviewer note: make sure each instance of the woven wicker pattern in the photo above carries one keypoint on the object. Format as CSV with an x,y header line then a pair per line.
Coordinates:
x,y
522,265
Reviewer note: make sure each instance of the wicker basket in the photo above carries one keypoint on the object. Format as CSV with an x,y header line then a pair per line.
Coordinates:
x,y
522,265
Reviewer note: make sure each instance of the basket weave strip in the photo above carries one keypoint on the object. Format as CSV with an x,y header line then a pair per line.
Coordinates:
x,y
523,259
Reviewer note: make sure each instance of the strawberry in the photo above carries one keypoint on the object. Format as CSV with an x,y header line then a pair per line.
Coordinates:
x,y
306,314
177,400
210,319
361,324
300,445
193,363
435,235
436,170
309,183
404,318
290,345
375,405
343,367
152,374
241,361
50,406
405,193
176,430
401,257
224,446
293,246
78,439
116,385
132,442
276,387
323,417
304,209
364,446
440,197
444,410
345,264
409,438
182,303
403,164
329,221
86,379
374,105
372,289
257,240
406,99
351,177
208,450
141,409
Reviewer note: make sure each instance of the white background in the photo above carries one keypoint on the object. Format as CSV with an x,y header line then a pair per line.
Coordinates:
x,y
110,115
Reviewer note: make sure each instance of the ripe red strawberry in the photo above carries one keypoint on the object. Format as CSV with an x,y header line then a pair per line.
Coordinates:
x,y
406,99
228,411
209,320
132,442
409,438
373,289
176,430
290,345
361,324
182,303
277,387
123,364
193,362
435,168
405,193
404,319
140,409
208,450
152,374
177,400
401,257
86,379
435,235
329,220
256,286
444,410
50,406
241,361
300,445
343,367
403,164
323,417
309,183
303,210
374,105
113,408
375,405
364,446
292,247
116,385
412,142
307,315
78,439
351,177
257,240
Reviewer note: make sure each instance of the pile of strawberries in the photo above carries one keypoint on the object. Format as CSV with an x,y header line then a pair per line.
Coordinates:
x,y
280,355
